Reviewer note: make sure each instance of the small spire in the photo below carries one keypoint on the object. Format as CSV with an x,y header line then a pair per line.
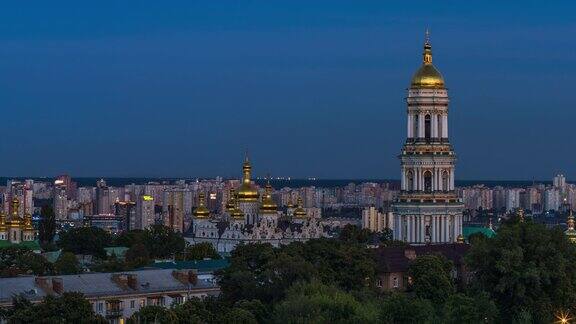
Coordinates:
x,y
427,55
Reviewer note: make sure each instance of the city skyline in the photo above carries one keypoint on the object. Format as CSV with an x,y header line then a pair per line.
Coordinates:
x,y
309,91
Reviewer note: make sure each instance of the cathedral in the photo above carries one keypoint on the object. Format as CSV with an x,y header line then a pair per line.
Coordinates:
x,y
16,230
252,216
427,210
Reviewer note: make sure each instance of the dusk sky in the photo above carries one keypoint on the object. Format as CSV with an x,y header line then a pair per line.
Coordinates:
x,y
309,88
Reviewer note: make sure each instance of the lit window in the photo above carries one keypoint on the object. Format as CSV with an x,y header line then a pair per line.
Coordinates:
x,y
395,282
132,303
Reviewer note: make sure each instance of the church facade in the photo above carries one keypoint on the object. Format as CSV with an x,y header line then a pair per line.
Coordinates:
x,y
427,210
252,217
17,230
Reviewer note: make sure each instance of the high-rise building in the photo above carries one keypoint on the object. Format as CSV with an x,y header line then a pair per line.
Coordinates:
x,y
177,208
376,221
144,213
427,209
559,181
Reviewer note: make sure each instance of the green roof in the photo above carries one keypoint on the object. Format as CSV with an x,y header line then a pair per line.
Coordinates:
x,y
467,231
118,251
52,256
200,265
32,245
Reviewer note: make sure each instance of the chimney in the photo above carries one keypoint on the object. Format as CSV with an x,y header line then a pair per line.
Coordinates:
x,y
121,279
133,281
410,254
193,277
58,285
181,276
44,284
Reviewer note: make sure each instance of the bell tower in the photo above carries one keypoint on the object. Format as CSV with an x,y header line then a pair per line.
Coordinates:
x,y
427,210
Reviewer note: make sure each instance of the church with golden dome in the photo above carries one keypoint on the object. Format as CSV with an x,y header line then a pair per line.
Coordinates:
x,y
17,230
251,215
427,210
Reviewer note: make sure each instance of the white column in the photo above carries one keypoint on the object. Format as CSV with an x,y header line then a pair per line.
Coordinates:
x,y
452,179
446,232
445,126
409,126
434,229
422,230
434,184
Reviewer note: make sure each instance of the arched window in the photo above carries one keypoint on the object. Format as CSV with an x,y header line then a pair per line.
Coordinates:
x,y
445,181
409,181
428,181
427,127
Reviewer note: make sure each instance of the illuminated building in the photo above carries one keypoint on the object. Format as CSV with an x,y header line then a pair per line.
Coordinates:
x,y
144,213
251,217
16,230
427,209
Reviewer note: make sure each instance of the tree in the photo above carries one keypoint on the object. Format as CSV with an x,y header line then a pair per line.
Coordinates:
x,y
163,242
71,307
431,278
400,309
460,308
47,228
153,314
529,270
351,233
16,261
317,303
258,271
85,240
67,263
200,251
137,256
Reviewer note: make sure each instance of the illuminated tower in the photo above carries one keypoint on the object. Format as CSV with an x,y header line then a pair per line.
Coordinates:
x,y
268,208
427,209
247,197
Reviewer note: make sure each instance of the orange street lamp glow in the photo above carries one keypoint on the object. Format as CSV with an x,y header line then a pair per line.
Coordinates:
x,y
563,318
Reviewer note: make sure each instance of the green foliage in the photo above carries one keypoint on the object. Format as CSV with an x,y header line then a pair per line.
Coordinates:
x,y
85,240
153,314
71,307
16,261
352,233
200,251
67,264
162,242
137,256
47,229
400,309
460,308
317,303
431,278
529,271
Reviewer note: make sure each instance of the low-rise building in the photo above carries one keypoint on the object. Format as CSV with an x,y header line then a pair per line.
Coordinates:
x,y
116,296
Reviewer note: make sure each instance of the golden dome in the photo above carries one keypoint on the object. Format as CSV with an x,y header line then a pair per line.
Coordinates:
x,y
201,211
268,205
237,213
427,76
15,220
300,212
247,191
460,239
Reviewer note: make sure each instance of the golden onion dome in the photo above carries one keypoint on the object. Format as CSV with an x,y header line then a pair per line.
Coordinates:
x,y
268,205
237,213
247,191
300,212
201,211
15,220
460,239
427,75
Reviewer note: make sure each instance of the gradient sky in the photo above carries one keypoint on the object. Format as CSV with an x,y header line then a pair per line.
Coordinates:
x,y
309,88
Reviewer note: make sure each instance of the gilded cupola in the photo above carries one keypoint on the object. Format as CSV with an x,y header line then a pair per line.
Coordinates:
x,y
201,211
300,212
268,205
247,191
15,220
427,75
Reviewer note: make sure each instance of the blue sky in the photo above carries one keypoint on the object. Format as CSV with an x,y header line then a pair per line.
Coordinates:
x,y
309,88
